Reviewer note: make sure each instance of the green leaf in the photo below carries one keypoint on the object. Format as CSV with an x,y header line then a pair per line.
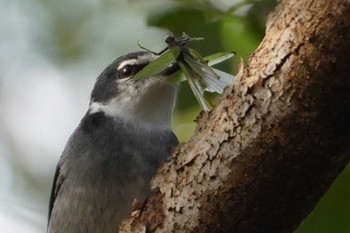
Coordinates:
x,y
218,57
158,65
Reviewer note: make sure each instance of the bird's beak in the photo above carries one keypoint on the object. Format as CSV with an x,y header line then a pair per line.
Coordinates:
x,y
173,68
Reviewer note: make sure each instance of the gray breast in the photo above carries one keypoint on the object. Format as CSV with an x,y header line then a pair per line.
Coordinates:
x,y
105,165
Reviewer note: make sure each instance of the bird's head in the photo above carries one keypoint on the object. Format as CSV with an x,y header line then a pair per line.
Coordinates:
x,y
148,103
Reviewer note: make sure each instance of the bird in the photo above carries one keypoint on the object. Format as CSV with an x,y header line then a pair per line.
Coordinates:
x,y
111,156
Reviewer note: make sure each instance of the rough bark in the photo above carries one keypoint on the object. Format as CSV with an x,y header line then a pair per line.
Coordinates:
x,y
261,160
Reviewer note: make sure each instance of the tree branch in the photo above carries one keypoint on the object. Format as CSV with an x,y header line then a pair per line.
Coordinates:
x,y
261,160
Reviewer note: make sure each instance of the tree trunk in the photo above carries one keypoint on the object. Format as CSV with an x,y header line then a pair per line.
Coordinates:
x,y
261,160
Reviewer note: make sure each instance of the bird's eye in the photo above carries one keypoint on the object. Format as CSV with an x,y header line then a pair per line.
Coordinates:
x,y
126,71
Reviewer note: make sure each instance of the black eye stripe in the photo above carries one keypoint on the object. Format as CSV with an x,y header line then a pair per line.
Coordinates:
x,y
107,86
138,67
130,70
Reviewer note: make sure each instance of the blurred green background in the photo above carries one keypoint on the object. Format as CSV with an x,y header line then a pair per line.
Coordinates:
x,y
51,54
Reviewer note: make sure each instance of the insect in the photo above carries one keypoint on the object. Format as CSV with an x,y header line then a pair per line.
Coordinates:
x,y
195,69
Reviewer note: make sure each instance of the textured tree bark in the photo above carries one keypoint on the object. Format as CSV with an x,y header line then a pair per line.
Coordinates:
x,y
261,160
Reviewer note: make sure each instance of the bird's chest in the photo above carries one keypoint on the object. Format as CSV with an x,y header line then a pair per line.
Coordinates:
x,y
111,156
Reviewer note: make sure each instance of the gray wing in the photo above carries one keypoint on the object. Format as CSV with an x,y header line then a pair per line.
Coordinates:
x,y
57,183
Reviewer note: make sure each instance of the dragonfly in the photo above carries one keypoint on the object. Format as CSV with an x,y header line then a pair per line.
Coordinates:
x,y
194,68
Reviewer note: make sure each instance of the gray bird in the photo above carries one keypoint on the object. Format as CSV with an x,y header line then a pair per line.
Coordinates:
x,y
112,155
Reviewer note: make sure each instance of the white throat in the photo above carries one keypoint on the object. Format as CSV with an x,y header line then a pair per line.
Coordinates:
x,y
149,108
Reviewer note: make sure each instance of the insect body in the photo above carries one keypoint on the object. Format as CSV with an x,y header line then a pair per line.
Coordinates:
x,y
196,69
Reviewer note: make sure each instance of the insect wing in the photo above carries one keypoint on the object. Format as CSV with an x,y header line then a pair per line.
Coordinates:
x,y
193,81
199,64
210,81
158,65
218,57
224,77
